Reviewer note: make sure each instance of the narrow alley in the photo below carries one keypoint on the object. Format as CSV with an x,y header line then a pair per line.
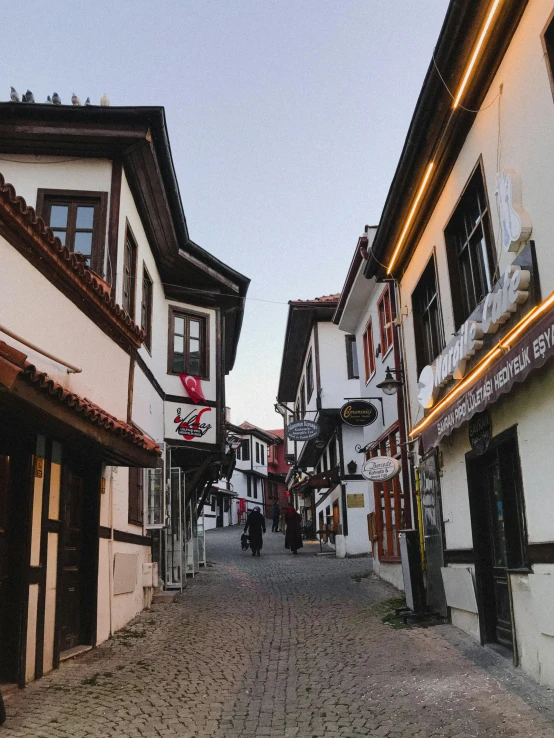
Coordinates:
x,y
281,646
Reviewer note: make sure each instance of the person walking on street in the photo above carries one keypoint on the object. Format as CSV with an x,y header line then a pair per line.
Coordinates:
x,y
293,531
276,513
255,523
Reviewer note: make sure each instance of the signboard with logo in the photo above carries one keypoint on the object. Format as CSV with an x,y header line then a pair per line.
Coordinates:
x,y
535,348
480,432
380,468
511,298
193,423
358,413
302,430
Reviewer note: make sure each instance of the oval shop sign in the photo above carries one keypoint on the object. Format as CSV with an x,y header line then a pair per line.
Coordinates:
x,y
302,430
380,468
358,413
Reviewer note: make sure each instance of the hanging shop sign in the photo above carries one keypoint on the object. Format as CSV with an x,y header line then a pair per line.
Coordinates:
x,y
358,413
186,422
303,430
511,298
380,468
480,432
535,348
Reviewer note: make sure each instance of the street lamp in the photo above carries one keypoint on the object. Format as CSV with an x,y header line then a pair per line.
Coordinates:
x,y
390,385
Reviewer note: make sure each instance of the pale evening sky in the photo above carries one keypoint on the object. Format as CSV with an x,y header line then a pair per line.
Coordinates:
x,y
286,120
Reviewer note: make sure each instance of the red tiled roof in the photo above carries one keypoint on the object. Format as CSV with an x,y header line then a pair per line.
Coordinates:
x,y
17,365
323,298
280,432
54,246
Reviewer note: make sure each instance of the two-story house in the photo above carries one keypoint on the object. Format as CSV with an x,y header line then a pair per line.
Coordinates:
x,y
123,328
250,477
318,374
367,312
466,233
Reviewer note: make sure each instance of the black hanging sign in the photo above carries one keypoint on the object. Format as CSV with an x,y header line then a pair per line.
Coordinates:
x,y
480,432
358,413
302,430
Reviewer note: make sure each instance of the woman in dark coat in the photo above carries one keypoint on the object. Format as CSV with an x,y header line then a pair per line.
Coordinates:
x,y
293,531
255,523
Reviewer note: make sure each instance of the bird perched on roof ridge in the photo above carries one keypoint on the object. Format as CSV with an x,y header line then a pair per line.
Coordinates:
x,y
14,95
87,101
28,97
75,100
48,100
104,100
56,99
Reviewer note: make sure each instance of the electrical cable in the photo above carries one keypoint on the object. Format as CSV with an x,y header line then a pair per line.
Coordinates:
x,y
468,110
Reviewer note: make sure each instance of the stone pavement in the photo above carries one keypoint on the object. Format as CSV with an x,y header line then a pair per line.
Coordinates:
x,y
282,646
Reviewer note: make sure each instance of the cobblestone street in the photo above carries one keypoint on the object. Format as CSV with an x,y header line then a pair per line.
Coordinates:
x,y
281,646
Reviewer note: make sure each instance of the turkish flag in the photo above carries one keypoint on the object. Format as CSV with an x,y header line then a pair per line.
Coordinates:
x,y
193,387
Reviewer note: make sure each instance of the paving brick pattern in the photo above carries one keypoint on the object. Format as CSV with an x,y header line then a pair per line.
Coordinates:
x,y
282,646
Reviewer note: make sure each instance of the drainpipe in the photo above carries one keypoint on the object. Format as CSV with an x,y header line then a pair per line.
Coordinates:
x,y
110,549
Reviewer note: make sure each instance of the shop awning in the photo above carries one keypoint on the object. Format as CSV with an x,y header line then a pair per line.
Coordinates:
x,y
62,409
524,350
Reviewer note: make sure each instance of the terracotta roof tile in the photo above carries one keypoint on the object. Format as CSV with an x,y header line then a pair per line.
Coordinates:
x,y
82,405
280,432
323,298
18,206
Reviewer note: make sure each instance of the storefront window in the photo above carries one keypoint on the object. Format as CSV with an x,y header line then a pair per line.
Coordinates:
x,y
154,498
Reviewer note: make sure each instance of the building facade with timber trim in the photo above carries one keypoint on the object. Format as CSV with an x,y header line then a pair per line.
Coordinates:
x,y
116,333
466,232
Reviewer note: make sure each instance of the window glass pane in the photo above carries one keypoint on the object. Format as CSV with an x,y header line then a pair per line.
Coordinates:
x,y
178,344
355,370
194,347
178,363
61,236
83,243
194,329
194,366
58,216
85,216
180,326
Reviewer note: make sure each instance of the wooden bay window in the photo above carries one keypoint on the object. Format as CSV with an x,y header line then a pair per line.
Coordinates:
x,y
188,343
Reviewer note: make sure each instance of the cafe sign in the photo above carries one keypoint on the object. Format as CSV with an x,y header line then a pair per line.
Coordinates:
x,y
380,468
535,348
303,430
358,413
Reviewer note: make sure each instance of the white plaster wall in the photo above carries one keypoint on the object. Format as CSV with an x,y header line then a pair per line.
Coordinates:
x,y
335,385
391,573
148,406
62,330
126,606
357,540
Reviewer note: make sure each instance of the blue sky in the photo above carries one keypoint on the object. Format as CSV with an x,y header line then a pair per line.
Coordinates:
x,y
286,120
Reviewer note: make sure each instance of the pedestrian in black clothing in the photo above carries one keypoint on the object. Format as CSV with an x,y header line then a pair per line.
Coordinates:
x,y
255,523
293,532
276,512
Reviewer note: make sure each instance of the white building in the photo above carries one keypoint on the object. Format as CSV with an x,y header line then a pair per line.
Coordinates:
x,y
467,230
115,290
366,312
250,477
318,374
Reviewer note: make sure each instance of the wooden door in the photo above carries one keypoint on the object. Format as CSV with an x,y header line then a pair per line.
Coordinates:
x,y
72,560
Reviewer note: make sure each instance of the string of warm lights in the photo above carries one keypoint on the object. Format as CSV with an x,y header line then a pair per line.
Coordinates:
x,y
504,345
455,104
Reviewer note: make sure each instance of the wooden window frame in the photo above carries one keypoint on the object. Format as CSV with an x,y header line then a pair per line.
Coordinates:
x,y
302,399
389,500
351,347
146,321
88,198
424,312
262,454
450,232
205,340
369,351
135,514
309,377
387,313
257,452
248,485
245,445
129,272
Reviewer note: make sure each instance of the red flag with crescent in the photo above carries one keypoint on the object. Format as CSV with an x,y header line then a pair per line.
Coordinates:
x,y
193,387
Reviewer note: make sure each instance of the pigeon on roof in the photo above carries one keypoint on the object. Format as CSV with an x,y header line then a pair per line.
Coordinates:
x,y
28,97
56,99
48,100
14,96
87,101
75,100
104,100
